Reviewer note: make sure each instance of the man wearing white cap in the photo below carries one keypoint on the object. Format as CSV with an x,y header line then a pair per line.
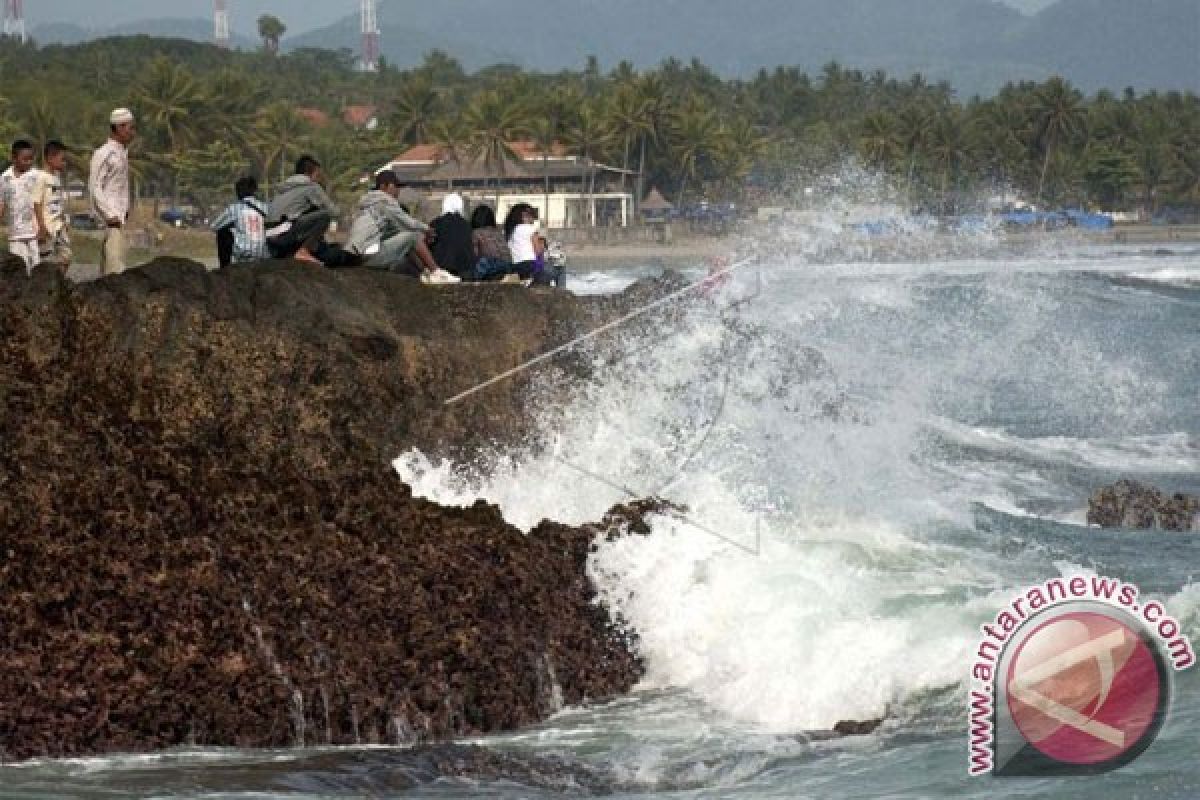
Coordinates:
x,y
108,185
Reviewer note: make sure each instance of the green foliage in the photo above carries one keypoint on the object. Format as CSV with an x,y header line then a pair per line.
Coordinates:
x,y
207,173
1110,174
205,113
271,29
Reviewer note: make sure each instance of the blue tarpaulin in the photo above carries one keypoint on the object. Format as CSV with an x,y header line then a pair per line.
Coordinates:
x,y
1094,222
1057,219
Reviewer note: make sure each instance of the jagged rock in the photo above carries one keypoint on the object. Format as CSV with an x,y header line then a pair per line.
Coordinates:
x,y
857,727
1129,504
201,540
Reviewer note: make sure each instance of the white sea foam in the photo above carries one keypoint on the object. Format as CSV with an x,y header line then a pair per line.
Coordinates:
x,y
1180,276
1159,453
825,463
1184,605
819,627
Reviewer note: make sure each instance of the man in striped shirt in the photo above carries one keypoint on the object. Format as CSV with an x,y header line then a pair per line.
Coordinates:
x,y
245,223
108,185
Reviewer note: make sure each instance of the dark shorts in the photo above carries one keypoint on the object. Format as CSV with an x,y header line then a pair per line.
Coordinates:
x,y
305,228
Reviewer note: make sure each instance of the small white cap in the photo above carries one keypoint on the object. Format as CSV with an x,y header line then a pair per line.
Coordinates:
x,y
120,116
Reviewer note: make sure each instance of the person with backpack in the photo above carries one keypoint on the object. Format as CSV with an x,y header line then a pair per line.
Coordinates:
x,y
241,228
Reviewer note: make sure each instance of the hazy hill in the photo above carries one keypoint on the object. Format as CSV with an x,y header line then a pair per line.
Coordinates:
x,y
976,45
1116,43
200,30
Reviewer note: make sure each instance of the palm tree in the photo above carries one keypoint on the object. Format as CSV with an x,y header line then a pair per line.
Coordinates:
x,y
561,105
739,149
949,147
914,121
41,119
1058,116
1184,172
655,104
341,161
626,113
624,74
1066,181
453,135
1152,155
545,136
277,134
170,104
493,123
695,134
880,143
99,69
417,107
588,135
8,130
1001,131
235,99
170,101
271,29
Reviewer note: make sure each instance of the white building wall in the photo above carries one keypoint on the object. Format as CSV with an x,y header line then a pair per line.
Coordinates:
x,y
563,209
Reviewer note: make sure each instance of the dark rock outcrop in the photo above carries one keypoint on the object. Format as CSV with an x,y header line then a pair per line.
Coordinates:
x,y
851,727
201,540
1128,504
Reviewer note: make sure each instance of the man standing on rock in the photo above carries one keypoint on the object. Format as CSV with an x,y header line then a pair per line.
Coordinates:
x,y
108,185
17,187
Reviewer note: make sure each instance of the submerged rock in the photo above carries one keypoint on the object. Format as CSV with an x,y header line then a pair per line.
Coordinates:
x,y
1129,504
201,539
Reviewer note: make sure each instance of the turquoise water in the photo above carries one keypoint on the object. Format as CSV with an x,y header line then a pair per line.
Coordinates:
x,y
854,516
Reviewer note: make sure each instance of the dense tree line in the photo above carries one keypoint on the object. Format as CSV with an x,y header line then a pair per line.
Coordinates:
x,y
207,115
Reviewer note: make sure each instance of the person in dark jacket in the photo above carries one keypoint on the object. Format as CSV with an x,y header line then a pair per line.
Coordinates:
x,y
453,247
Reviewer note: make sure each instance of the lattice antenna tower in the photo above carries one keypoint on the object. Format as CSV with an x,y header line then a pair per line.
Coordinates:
x,y
221,23
14,19
370,35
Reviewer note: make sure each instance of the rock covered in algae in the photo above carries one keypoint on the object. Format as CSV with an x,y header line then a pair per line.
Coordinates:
x,y
201,541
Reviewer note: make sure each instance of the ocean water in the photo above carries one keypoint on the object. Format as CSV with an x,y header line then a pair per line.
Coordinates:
x,y
873,457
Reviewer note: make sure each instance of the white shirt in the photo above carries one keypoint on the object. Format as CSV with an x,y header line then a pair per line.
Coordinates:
x,y
108,181
17,193
49,193
521,243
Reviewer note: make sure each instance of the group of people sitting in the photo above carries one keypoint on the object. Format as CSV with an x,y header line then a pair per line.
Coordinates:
x,y
384,234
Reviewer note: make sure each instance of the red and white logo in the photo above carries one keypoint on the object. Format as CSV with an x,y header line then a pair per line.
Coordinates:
x,y
1084,688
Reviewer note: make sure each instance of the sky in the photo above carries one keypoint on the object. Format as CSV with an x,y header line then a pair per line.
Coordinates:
x,y
299,15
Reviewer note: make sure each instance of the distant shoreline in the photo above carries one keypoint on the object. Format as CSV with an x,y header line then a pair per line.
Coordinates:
x,y
694,251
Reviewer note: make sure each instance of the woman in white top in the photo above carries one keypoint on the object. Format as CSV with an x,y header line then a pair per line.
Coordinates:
x,y
526,244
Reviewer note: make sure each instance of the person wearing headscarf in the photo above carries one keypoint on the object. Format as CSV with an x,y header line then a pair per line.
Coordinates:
x,y
453,247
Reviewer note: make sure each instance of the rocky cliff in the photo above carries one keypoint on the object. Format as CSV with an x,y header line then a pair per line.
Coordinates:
x,y
201,540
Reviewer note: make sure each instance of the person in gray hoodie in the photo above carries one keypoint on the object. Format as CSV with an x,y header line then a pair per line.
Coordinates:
x,y
300,215
383,234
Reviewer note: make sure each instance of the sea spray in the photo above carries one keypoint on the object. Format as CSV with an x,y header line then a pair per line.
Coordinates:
x,y
832,439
